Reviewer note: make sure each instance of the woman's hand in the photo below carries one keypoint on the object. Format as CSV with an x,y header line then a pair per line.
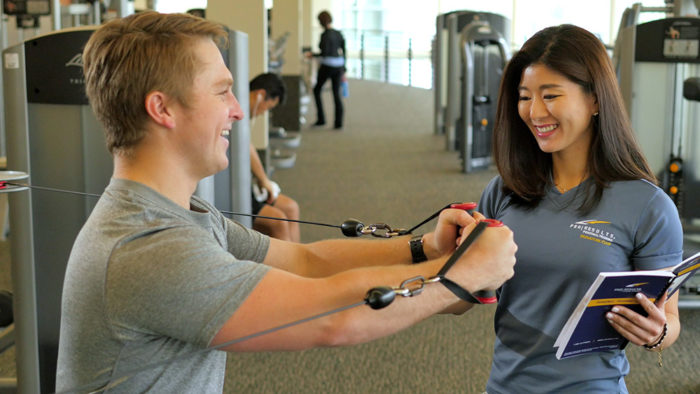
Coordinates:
x,y
638,329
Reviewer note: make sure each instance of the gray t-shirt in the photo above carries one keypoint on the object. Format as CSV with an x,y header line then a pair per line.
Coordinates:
x,y
634,227
147,281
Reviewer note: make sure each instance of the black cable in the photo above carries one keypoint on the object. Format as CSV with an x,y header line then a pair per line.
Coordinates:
x,y
280,219
350,228
431,217
51,189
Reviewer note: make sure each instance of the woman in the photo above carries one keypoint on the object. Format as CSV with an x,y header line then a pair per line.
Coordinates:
x,y
568,160
332,56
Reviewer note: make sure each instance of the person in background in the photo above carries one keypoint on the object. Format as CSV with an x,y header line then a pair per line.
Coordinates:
x,y
266,92
157,277
569,163
333,59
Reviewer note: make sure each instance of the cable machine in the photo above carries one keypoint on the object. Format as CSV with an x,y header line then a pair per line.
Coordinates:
x,y
658,66
446,64
53,135
483,54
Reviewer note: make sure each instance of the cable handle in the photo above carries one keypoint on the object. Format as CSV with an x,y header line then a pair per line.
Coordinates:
x,y
488,296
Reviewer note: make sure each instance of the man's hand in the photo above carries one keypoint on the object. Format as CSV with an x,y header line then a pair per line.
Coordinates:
x,y
488,262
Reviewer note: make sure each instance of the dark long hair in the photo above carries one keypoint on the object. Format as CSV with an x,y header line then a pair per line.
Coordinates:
x,y
613,155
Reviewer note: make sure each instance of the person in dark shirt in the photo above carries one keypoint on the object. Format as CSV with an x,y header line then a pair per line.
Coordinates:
x,y
332,56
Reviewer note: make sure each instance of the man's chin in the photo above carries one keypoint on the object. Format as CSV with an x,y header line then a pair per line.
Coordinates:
x,y
222,166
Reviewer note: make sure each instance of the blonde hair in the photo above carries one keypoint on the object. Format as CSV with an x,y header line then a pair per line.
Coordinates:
x,y
126,59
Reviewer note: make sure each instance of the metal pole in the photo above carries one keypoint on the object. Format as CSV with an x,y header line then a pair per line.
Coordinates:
x,y
56,14
410,60
386,58
362,56
96,13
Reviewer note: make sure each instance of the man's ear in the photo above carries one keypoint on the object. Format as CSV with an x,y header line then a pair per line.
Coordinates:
x,y
157,107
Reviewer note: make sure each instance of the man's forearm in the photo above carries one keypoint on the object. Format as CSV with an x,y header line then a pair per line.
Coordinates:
x,y
330,257
280,298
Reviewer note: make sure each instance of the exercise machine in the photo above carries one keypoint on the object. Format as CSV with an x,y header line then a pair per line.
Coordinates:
x,y
232,185
446,64
53,135
484,53
658,65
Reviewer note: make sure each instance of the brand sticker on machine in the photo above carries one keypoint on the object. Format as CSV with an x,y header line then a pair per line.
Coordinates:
x,y
11,60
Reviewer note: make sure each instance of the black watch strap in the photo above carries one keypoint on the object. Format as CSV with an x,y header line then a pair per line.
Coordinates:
x,y
417,253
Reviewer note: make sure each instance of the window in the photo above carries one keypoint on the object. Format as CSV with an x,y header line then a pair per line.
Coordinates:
x,y
168,6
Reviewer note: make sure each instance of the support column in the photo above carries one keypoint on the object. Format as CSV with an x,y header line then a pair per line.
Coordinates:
x,y
287,18
307,20
248,16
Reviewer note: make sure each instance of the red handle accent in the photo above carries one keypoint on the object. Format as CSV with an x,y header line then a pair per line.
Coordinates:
x,y
487,300
3,184
467,206
493,222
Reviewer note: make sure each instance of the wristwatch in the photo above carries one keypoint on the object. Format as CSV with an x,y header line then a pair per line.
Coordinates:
x,y
417,253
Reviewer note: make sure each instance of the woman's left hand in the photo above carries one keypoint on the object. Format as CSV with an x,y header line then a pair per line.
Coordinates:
x,y
638,329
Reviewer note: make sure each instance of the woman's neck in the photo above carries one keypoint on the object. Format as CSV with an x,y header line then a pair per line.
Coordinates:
x,y
568,172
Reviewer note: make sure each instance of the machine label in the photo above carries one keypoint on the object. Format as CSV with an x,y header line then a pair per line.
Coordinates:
x,y
11,61
681,48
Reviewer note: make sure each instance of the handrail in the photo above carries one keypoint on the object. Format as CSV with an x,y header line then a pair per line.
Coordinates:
x,y
391,57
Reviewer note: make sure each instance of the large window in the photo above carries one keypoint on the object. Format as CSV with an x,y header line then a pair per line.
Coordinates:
x,y
391,41
168,6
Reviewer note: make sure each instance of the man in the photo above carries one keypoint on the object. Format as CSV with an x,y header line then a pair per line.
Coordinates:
x,y
156,273
266,92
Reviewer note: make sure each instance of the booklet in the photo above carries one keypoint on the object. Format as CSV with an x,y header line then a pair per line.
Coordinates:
x,y
587,330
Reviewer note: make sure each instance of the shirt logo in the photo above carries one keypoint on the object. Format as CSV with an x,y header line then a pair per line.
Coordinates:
x,y
594,230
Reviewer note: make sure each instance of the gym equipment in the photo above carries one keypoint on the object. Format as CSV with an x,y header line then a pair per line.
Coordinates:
x,y
484,54
53,134
52,131
658,65
232,185
281,139
446,64
292,115
6,313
